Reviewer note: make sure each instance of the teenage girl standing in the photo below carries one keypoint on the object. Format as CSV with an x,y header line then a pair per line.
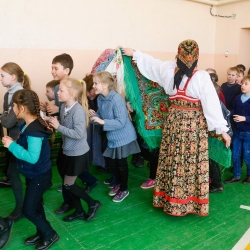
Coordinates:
x,y
32,150
113,115
75,154
14,79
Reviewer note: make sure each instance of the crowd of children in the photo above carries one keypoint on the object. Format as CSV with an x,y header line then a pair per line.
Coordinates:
x,y
93,121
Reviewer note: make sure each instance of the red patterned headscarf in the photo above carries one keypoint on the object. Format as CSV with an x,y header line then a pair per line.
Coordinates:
x,y
187,58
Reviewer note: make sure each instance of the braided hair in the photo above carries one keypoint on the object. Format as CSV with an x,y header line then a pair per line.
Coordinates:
x,y
30,100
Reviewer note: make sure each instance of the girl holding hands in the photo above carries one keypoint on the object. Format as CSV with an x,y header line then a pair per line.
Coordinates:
x,y
75,150
32,150
112,114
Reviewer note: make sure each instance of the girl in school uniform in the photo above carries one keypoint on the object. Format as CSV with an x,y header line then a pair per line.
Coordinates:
x,y
14,79
112,114
32,150
75,154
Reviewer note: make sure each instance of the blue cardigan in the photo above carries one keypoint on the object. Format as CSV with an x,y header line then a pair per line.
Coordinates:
x,y
112,109
243,109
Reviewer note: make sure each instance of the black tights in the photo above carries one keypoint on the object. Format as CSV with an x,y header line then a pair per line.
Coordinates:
x,y
120,169
78,193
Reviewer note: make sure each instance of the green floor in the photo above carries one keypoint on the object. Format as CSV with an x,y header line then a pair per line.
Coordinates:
x,y
135,224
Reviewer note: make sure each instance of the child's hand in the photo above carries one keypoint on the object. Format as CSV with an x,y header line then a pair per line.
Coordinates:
x,y
43,106
227,138
239,118
46,118
52,109
53,122
97,119
91,112
7,141
128,51
130,109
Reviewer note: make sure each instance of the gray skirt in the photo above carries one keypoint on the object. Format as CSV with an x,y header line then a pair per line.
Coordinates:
x,y
123,151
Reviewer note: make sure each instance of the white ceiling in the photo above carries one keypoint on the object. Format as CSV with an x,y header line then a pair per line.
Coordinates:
x,y
217,2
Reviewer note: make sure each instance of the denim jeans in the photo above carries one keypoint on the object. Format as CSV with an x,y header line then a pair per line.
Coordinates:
x,y
241,146
33,204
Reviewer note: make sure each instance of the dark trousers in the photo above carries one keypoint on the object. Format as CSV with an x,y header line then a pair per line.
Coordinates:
x,y
119,167
87,177
16,184
241,146
215,174
152,158
33,204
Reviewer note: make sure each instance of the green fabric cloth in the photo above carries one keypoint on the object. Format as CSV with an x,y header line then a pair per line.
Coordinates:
x,y
218,152
148,100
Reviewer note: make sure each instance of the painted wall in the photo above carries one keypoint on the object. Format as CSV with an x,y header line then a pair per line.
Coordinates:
x,y
33,32
232,35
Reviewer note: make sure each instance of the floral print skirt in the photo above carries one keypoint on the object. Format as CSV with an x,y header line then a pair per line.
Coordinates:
x,y
182,179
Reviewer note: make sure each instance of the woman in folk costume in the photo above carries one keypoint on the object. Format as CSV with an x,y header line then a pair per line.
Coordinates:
x,y
182,179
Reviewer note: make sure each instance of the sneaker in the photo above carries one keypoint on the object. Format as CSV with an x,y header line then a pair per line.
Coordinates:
x,y
114,190
148,184
59,189
5,182
121,196
108,181
111,185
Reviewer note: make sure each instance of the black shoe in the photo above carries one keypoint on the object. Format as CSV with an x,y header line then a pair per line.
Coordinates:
x,y
64,208
92,211
101,169
140,162
74,216
134,158
32,240
16,215
45,244
232,180
247,180
214,189
5,182
5,230
89,188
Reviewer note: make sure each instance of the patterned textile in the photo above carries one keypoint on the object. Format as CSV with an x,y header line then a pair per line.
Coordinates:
x,y
102,58
217,150
182,179
116,69
149,101
188,52
105,64
187,58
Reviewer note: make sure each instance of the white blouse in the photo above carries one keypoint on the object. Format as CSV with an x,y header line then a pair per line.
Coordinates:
x,y
199,87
